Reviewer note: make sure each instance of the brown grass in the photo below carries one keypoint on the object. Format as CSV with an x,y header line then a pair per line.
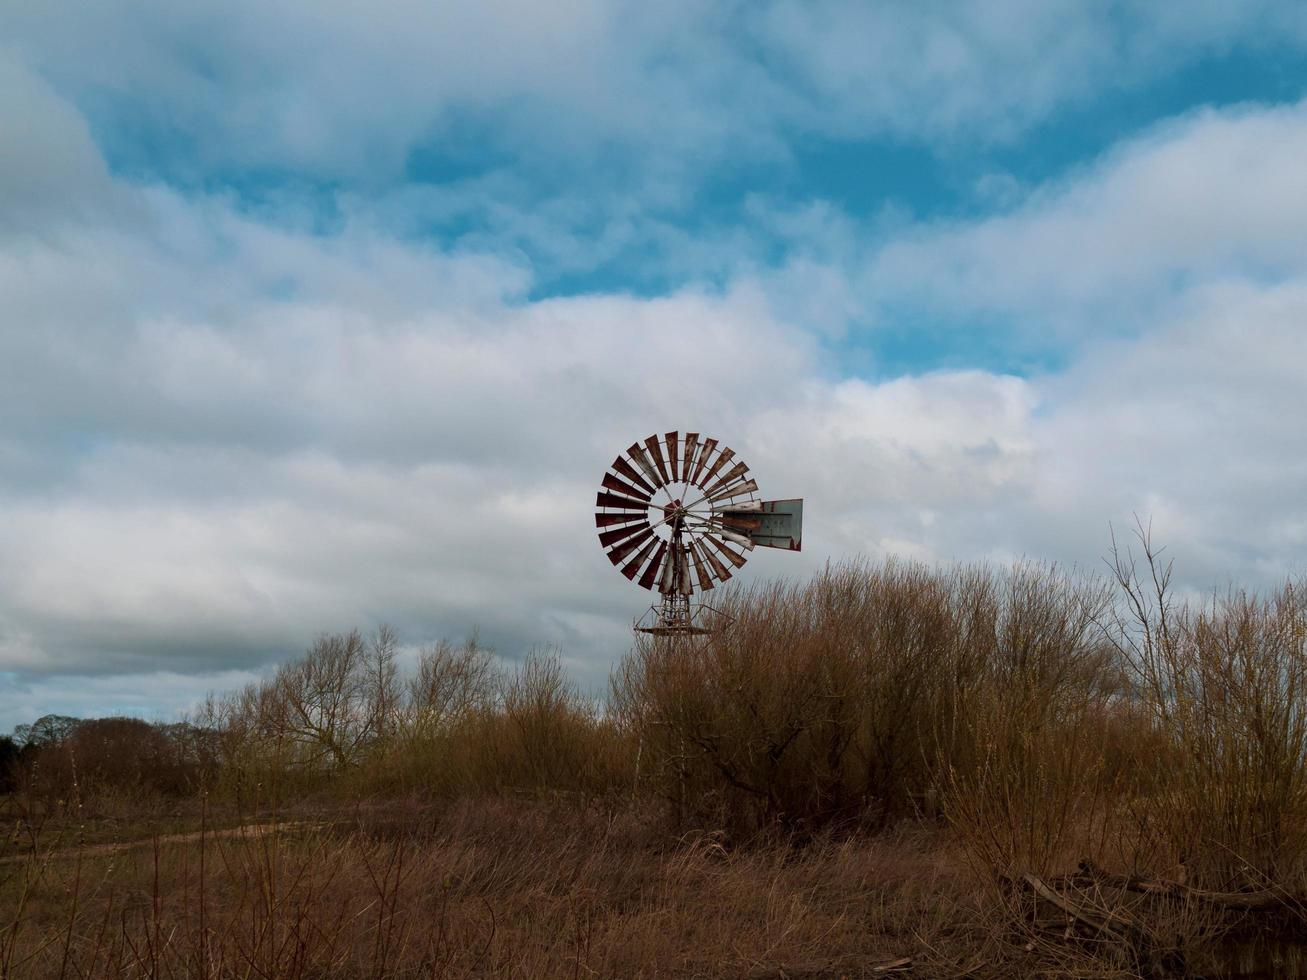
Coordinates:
x,y
862,768
487,888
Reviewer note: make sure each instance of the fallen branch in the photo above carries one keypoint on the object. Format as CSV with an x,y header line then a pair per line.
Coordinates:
x,y
1103,921
1264,898
894,966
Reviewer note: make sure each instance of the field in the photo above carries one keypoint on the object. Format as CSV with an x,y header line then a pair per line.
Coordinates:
x,y
891,770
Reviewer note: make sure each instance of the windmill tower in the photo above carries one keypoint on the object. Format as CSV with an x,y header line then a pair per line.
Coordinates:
x,y
677,515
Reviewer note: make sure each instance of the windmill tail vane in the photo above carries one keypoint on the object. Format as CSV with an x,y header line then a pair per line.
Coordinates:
x,y
678,514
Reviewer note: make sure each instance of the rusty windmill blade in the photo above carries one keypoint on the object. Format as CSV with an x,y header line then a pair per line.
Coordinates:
x,y
608,520
734,490
656,451
637,453
700,572
621,486
687,457
622,550
655,566
741,540
736,472
627,470
714,563
610,538
632,568
673,454
684,584
731,555
724,457
621,503
705,452
667,581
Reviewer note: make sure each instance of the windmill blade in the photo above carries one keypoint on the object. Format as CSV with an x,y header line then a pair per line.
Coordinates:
x,y
650,573
734,490
667,582
608,520
683,583
621,486
723,458
740,539
718,569
673,453
620,503
737,472
744,507
687,457
656,451
630,472
637,453
622,550
632,568
609,538
705,580
705,452
731,555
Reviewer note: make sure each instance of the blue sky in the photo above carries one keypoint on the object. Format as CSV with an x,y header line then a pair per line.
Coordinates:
x,y
320,316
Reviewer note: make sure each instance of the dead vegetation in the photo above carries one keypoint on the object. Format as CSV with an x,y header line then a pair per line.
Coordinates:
x,y
891,769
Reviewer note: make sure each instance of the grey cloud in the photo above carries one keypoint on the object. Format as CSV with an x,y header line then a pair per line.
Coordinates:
x,y
51,171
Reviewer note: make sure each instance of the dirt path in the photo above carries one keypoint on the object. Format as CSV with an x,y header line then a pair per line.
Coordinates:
x,y
253,831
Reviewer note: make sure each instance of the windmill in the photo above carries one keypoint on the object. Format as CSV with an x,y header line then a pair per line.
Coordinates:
x,y
678,515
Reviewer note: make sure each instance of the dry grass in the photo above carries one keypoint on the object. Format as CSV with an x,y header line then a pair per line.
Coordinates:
x,y
864,767
487,888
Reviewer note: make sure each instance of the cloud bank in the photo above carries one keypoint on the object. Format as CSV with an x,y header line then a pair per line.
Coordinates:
x,y
228,425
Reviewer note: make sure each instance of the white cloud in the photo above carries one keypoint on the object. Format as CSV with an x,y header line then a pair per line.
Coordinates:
x,y
1215,194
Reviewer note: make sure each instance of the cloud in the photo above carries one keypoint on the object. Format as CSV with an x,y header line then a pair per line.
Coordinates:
x,y
157,695
227,429
335,90
250,434
51,169
1211,195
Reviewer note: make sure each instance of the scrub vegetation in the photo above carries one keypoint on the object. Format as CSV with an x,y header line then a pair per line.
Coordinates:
x,y
889,770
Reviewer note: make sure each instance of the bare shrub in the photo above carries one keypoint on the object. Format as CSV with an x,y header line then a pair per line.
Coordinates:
x,y
1027,784
853,697
1224,686
436,706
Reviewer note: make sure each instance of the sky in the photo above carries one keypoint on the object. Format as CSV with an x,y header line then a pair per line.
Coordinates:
x,y
317,315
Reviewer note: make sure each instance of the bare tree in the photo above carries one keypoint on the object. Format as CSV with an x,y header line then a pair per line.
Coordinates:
x,y
321,700
449,684
381,689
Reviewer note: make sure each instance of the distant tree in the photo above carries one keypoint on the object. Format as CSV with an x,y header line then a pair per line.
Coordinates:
x,y
50,730
67,758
